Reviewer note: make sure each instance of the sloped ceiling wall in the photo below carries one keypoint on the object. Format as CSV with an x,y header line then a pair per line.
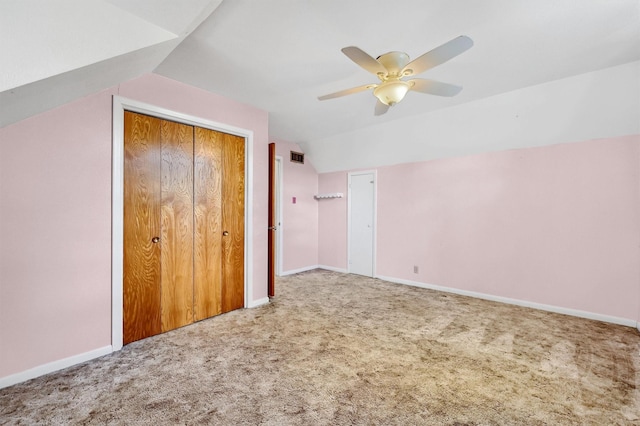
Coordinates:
x,y
46,63
594,105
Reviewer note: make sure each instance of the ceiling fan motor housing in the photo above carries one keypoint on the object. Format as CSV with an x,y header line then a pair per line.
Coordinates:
x,y
394,62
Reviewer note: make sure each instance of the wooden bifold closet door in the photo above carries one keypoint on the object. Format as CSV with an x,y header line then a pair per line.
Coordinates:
x,y
183,225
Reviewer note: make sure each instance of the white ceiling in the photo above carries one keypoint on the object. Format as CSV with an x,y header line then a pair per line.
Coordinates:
x,y
280,55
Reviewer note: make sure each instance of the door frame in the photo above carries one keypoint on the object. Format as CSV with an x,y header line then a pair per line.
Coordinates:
x,y
120,104
275,219
375,217
279,234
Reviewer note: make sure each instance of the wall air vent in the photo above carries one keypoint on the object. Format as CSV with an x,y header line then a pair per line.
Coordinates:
x,y
297,157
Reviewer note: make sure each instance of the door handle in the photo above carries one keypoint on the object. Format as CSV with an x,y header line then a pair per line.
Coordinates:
x,y
155,240
225,233
272,228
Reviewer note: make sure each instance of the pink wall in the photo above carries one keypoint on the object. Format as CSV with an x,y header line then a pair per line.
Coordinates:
x,y
332,221
55,232
556,225
55,218
300,220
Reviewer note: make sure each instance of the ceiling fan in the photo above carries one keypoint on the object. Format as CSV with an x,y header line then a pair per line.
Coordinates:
x,y
391,68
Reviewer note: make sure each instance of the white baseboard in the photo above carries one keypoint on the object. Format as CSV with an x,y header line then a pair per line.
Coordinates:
x,y
53,366
259,302
96,353
297,271
331,268
518,302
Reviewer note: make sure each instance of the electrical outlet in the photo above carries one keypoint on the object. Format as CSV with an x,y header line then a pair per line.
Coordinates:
x,y
415,269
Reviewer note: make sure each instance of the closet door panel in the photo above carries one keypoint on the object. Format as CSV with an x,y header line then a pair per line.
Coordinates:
x,y
233,222
207,223
183,225
177,225
141,261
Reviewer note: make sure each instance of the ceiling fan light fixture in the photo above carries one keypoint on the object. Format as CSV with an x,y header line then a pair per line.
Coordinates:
x,y
391,92
392,67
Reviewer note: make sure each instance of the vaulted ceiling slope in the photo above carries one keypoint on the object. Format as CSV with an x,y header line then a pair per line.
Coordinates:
x,y
280,55
55,51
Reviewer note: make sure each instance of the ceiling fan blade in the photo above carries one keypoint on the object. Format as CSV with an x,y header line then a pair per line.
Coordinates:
x,y
438,56
365,60
381,108
433,87
347,92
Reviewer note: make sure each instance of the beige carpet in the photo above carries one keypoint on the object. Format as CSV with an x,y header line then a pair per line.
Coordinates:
x,y
335,349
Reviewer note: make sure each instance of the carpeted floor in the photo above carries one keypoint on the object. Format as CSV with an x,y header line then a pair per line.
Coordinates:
x,y
336,349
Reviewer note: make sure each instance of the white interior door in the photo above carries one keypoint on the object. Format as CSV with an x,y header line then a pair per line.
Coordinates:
x,y
362,223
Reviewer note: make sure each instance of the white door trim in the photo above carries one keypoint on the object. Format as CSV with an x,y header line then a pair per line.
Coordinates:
x,y
279,235
375,216
121,104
